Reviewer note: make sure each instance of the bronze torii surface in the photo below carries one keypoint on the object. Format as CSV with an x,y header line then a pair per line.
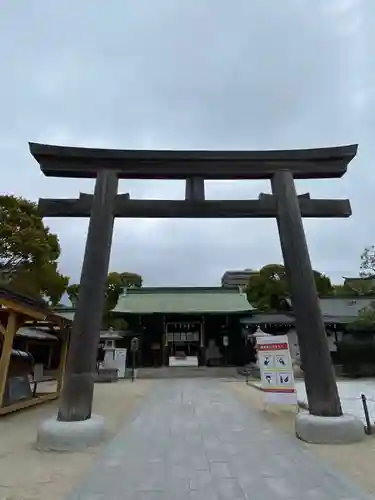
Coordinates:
x,y
281,167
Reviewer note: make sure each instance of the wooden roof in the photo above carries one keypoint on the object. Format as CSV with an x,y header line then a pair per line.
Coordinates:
x,y
35,333
28,306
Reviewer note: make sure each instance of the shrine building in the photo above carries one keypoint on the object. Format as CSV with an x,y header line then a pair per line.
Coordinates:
x,y
211,326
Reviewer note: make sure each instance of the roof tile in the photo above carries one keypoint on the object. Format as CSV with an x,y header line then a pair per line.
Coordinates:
x,y
182,300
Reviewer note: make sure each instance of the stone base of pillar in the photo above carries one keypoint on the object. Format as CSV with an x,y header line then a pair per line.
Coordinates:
x,y
329,430
54,435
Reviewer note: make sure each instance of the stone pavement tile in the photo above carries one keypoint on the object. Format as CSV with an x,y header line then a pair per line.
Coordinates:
x,y
192,440
221,470
179,472
197,462
203,494
215,450
229,489
200,479
147,495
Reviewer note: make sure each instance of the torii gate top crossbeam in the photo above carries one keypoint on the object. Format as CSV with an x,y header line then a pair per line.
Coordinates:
x,y
62,161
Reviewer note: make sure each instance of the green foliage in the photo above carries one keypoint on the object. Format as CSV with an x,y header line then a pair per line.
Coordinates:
x,y
118,324
342,291
354,288
357,356
114,288
28,251
363,285
323,284
365,321
130,280
368,262
269,288
116,282
24,240
42,281
73,291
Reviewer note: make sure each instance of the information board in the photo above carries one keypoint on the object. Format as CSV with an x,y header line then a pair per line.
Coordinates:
x,y
276,370
120,361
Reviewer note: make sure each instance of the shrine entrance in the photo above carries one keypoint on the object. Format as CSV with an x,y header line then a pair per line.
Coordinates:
x,y
284,204
183,338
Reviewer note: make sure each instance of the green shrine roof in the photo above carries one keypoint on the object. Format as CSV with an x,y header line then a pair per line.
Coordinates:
x,y
199,300
182,300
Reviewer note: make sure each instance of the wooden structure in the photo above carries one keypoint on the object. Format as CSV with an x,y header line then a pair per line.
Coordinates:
x,y
280,167
17,310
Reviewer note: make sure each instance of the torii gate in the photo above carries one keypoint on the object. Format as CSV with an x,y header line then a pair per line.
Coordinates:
x,y
281,167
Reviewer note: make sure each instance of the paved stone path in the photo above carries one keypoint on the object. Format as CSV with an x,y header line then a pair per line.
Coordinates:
x,y
192,440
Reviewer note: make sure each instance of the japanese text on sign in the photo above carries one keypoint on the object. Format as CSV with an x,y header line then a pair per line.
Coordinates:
x,y
276,370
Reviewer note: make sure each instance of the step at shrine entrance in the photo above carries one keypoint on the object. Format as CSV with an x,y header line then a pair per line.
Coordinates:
x,y
280,167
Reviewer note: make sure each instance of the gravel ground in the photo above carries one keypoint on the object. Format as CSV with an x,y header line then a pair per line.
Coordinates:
x,y
26,474
355,460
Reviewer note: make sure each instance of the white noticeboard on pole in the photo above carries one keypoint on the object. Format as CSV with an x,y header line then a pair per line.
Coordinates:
x,y
276,370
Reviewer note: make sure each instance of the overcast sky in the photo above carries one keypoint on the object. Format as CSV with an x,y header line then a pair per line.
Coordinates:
x,y
192,74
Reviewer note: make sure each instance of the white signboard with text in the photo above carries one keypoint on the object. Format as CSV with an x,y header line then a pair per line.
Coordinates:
x,y
276,370
120,361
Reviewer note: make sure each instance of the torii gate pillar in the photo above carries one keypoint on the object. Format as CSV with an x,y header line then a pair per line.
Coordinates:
x,y
77,392
319,375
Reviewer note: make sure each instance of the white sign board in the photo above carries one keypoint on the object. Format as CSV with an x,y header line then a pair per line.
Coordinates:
x,y
120,361
276,370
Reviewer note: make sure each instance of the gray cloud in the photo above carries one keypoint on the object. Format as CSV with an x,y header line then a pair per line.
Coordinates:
x,y
196,74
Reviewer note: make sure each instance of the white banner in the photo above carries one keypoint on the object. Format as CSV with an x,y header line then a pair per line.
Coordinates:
x,y
276,370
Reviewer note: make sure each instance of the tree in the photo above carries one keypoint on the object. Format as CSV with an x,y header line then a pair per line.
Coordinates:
x,y
73,292
357,354
367,268
116,282
29,251
268,289
130,280
323,284
44,281
114,287
365,321
355,288
343,291
365,283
